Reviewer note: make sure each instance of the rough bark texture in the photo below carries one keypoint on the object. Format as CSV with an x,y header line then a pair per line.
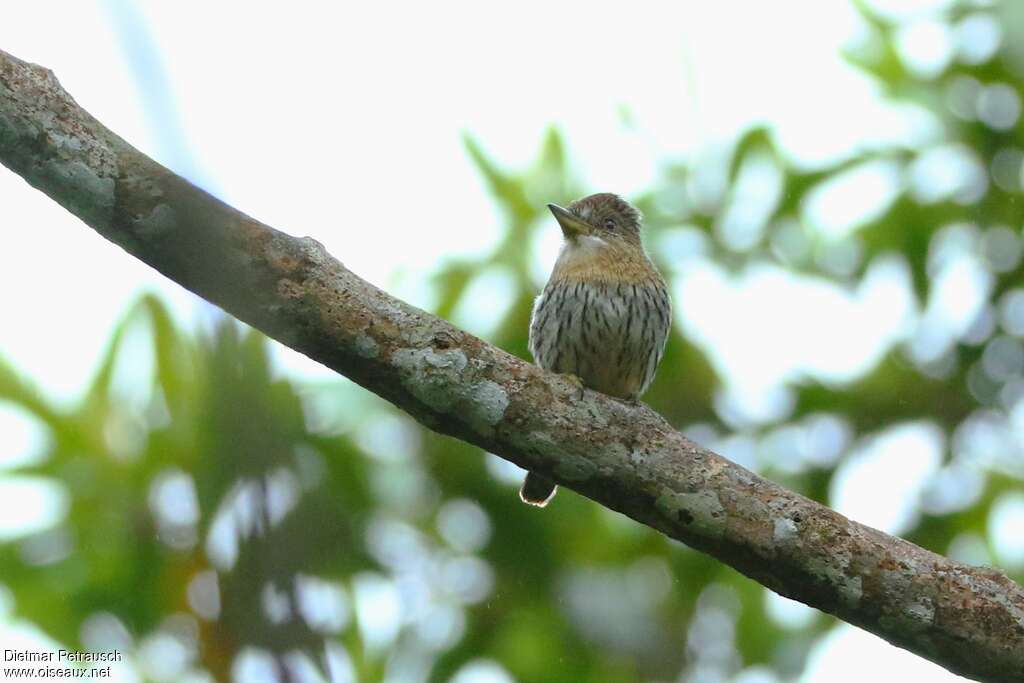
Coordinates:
x,y
968,619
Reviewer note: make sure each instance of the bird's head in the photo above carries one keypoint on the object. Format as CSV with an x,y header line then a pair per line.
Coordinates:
x,y
603,217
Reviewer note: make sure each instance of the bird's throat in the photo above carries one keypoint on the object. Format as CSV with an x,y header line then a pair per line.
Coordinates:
x,y
593,259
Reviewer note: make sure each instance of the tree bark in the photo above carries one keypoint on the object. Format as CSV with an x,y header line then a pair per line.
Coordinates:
x,y
967,619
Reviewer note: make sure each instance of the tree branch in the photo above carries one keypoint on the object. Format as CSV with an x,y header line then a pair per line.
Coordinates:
x,y
968,619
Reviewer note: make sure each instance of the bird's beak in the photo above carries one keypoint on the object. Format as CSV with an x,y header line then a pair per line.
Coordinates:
x,y
570,223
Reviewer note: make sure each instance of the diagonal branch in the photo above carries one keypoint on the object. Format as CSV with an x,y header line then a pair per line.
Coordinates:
x,y
968,619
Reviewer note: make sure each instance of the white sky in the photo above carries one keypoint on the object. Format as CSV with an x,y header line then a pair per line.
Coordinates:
x,y
343,121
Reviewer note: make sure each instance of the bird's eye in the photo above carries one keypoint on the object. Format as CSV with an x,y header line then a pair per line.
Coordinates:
x,y
609,224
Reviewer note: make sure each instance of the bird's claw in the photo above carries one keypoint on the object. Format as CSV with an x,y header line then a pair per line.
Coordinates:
x,y
577,382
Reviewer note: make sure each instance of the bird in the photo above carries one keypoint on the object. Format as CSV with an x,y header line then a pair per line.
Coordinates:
x,y
603,317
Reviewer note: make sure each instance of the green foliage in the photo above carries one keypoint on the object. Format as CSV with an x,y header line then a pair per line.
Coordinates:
x,y
202,462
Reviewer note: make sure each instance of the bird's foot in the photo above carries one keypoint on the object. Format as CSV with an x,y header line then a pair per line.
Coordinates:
x,y
577,382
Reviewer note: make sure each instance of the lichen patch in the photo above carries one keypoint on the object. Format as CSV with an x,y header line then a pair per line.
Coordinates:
x,y
445,381
701,510
487,401
161,220
785,531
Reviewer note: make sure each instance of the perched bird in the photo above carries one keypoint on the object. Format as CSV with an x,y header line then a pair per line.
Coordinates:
x,y
605,312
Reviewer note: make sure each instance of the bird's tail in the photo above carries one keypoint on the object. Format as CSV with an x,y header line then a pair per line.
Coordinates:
x,y
537,490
